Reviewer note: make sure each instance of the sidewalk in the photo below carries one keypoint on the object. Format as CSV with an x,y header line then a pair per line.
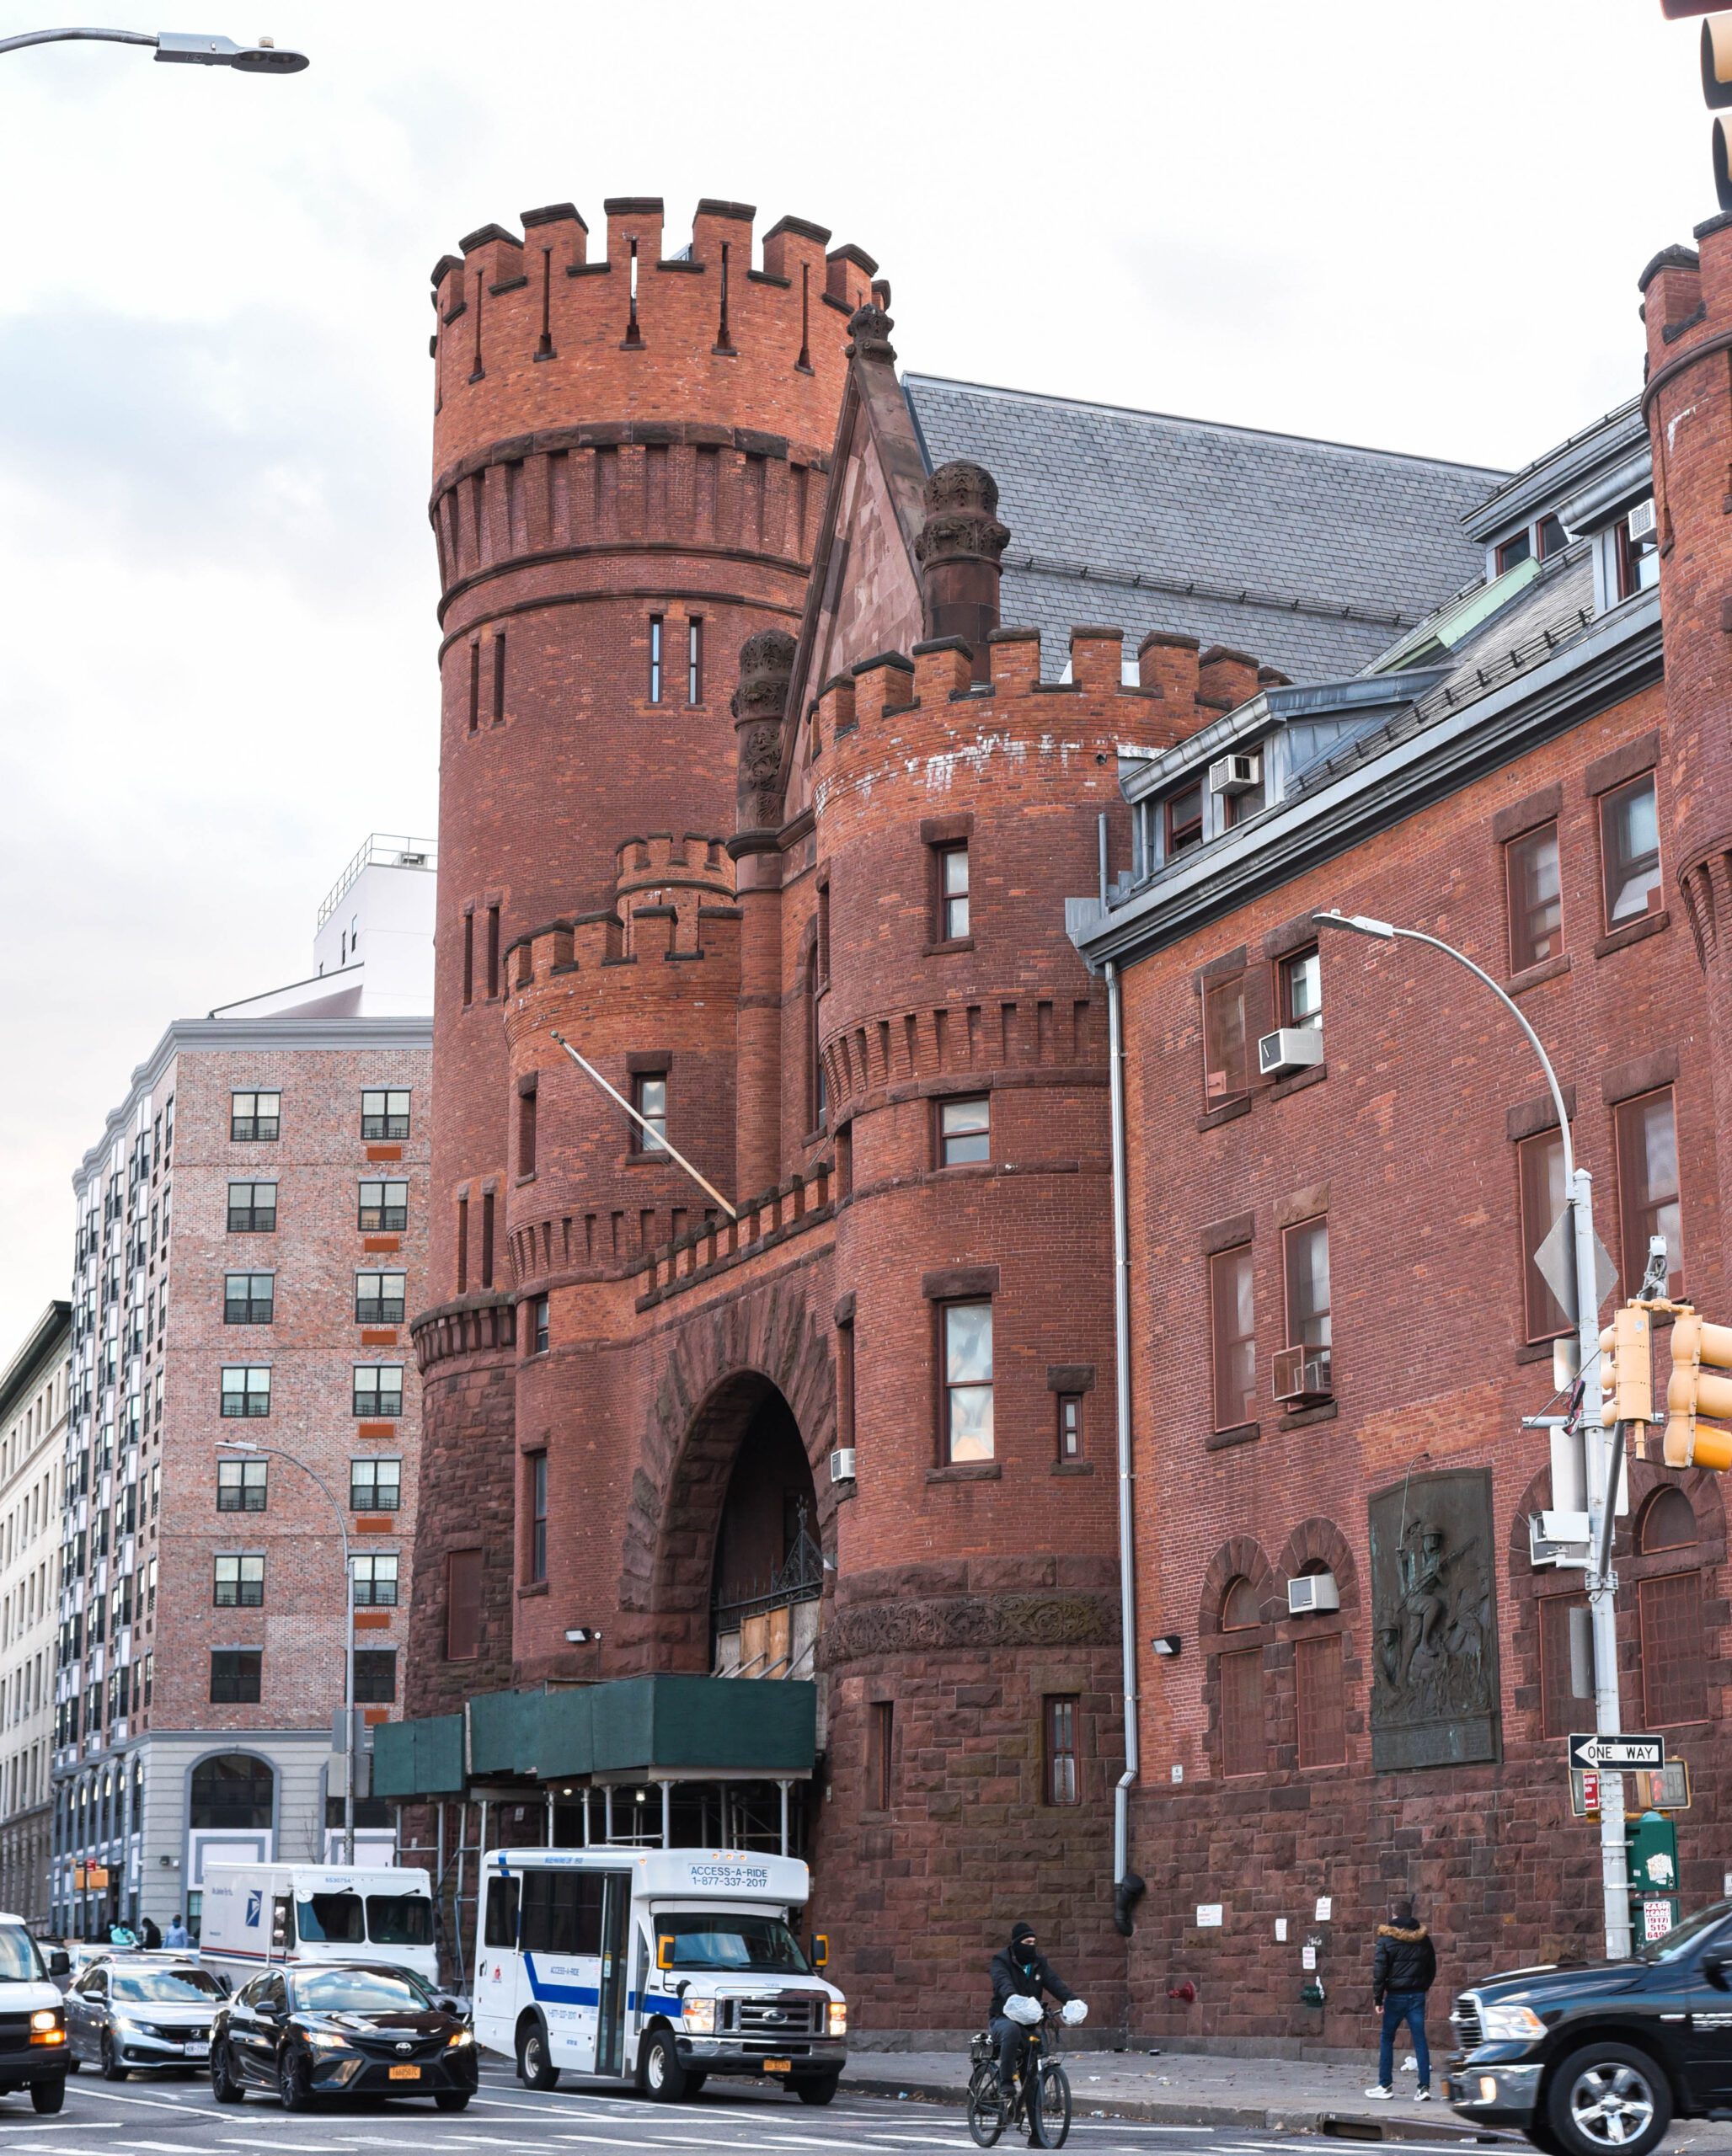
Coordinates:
x,y
1189,2088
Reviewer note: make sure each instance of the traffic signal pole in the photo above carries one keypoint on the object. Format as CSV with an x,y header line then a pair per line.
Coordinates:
x,y
1597,1442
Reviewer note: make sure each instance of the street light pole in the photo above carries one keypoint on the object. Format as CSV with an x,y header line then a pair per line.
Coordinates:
x,y
275,1452
1598,1443
187,48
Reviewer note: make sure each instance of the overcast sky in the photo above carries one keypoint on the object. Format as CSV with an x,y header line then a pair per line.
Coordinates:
x,y
1417,227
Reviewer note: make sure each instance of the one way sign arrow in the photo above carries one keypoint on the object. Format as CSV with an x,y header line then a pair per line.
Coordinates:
x,y
1617,1753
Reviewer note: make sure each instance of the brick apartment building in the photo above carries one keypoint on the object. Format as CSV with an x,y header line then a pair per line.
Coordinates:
x,y
33,1423
251,1232
747,794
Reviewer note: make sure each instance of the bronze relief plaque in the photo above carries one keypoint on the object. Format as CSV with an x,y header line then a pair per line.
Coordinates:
x,y
1434,1622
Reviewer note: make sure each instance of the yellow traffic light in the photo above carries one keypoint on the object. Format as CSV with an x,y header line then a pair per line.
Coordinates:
x,y
1626,1368
1691,1392
1677,9
1717,61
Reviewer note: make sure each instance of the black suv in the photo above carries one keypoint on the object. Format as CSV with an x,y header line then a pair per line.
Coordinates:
x,y
1601,2059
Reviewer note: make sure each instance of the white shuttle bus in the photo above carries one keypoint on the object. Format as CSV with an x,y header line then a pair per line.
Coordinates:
x,y
256,1915
657,1966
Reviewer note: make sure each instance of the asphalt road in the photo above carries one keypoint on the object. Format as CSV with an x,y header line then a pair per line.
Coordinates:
x,y
178,2118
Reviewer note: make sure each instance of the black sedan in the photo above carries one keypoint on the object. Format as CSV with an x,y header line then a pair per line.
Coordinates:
x,y
356,2030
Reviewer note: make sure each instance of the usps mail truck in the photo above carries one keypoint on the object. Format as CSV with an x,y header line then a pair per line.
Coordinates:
x,y
657,1966
291,1914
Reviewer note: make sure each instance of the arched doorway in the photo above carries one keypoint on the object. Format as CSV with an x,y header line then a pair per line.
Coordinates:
x,y
231,1819
767,1569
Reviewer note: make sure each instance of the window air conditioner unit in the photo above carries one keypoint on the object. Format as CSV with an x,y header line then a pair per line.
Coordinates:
x,y
1302,1375
1311,1594
1234,774
841,1464
1641,521
1289,1049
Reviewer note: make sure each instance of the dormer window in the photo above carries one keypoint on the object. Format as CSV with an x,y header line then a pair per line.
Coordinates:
x,y
1513,551
1636,551
1551,536
1184,820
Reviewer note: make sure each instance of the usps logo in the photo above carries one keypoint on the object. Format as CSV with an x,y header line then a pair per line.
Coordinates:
x,y
255,1909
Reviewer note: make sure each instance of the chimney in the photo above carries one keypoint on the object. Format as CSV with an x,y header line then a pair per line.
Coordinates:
x,y
959,549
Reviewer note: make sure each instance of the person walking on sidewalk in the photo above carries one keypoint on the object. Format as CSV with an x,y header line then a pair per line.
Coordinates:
x,y
1404,1969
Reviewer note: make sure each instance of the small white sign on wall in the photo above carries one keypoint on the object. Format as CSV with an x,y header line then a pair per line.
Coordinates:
x,y
1325,1909
1307,1957
1208,1915
1280,1929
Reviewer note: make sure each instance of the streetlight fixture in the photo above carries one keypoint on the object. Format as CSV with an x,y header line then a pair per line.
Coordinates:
x,y
275,1452
1598,1443
187,48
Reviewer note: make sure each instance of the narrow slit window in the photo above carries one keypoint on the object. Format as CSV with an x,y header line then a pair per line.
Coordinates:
x,y
499,677
651,1103
967,1343
487,1219
694,661
1062,1779
655,628
1070,1426
953,893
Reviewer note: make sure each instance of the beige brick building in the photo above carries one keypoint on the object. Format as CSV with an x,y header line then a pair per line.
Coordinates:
x,y
250,1237
32,1422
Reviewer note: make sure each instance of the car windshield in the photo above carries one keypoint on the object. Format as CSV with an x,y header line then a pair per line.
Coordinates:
x,y
335,1919
707,1939
399,1920
19,1962
359,1991
1685,1937
165,1987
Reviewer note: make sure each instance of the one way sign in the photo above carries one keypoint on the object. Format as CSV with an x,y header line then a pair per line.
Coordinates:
x,y
1592,1752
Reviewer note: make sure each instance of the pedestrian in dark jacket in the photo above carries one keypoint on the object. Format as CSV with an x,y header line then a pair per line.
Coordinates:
x,y
1404,1969
1020,1968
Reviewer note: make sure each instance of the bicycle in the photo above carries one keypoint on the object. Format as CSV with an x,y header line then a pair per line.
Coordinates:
x,y
1049,2122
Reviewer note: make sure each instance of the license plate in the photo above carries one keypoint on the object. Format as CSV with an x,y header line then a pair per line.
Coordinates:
x,y
405,2073
778,2065
198,2050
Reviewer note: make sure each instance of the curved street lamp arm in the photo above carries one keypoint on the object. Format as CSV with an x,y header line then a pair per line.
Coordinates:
x,y
58,37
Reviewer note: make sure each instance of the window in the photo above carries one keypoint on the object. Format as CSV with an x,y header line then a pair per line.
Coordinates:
x,y
239,1582
694,661
1184,820
1305,1250
967,1329
537,1516
246,1389
469,956
384,1207
1534,898
384,1111
474,684
375,1677
1647,1186
880,1754
1629,852
1674,1677
499,677
1540,1167
378,1389
1059,1715
493,952
1070,1426
1299,979
656,658
375,1485
249,1298
1234,1324
375,1581
1553,537
527,1131
462,1605
538,1328
240,1486
379,1298
253,1118
1240,1674
1514,550
252,1207
1566,1664
1226,1070
649,1098
1637,560
964,1131
462,1242
562,1913
953,893
235,1676
502,1913
1320,1696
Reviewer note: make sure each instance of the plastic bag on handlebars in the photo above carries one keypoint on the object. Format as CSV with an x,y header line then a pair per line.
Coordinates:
x,y
1020,2008
1076,2010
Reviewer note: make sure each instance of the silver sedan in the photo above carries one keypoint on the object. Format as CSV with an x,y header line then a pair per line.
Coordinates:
x,y
128,2017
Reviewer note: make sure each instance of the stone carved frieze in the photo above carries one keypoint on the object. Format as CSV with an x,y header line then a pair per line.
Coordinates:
x,y
1433,1623
766,667
969,1621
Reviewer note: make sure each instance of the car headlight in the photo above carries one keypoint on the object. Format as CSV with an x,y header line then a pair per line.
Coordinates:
x,y
699,2016
1511,2024
326,2039
47,2017
838,2017
459,2038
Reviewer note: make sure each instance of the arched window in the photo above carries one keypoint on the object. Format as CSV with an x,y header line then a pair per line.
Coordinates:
x,y
1669,1614
1319,1686
233,1790
1239,1678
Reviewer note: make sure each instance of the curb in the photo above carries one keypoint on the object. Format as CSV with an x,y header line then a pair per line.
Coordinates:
x,y
1341,2125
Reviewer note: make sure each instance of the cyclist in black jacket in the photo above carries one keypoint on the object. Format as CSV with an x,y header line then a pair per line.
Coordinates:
x,y
1404,1969
1020,1968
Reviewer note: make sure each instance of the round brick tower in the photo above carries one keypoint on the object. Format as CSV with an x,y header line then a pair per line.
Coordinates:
x,y
629,461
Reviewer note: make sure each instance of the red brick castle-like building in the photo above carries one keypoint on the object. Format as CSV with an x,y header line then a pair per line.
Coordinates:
x,y
760,787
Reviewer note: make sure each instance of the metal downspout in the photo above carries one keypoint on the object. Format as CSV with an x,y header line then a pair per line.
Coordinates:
x,y
1121,1356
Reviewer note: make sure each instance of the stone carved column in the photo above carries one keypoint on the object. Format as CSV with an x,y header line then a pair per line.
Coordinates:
x,y
960,550
759,708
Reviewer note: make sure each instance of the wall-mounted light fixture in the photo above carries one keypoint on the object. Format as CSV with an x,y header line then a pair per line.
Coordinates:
x,y
1166,1643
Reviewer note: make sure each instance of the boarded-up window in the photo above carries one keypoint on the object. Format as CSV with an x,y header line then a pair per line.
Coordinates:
x,y
462,1605
1674,1677
1566,1665
1321,1695
1241,1746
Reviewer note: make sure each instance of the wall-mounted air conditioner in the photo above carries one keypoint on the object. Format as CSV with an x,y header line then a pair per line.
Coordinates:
x,y
841,1464
1290,1049
1641,522
1235,774
1302,1375
1312,1594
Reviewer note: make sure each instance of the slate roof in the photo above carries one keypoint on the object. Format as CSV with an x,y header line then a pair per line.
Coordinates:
x,y
1313,556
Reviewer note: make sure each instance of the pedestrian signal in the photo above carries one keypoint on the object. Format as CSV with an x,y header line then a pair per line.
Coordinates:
x,y
1699,1349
